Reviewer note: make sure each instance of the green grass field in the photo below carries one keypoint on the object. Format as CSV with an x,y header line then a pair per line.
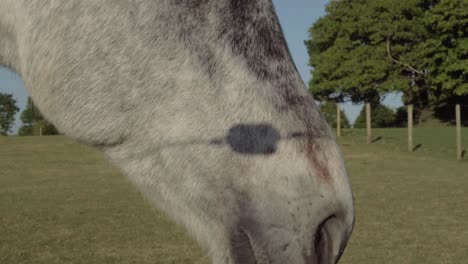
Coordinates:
x,y
410,207
61,202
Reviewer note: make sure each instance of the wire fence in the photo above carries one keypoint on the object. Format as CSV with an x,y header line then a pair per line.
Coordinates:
x,y
449,137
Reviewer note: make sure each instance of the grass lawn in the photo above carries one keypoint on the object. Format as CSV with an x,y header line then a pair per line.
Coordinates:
x,y
410,207
62,203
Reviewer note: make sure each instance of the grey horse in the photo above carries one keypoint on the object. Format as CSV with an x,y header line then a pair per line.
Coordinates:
x,y
200,105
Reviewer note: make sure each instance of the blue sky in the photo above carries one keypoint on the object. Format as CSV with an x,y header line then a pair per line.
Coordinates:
x,y
296,17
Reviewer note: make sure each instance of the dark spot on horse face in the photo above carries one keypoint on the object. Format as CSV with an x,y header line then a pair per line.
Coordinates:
x,y
253,139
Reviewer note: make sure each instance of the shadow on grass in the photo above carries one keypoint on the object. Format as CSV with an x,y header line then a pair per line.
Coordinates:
x,y
418,146
376,139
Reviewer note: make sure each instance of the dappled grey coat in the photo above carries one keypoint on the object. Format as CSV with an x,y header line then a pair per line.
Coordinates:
x,y
200,105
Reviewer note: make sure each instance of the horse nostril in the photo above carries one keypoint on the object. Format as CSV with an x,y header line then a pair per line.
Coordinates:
x,y
322,243
330,240
242,248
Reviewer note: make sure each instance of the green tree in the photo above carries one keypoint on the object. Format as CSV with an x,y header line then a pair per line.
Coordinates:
x,y
25,130
447,51
381,116
29,117
348,52
329,111
33,121
30,114
47,128
401,117
8,110
363,49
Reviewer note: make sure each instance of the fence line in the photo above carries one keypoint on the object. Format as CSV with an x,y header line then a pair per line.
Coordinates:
x,y
410,107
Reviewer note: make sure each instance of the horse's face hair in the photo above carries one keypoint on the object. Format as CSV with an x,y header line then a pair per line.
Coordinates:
x,y
200,105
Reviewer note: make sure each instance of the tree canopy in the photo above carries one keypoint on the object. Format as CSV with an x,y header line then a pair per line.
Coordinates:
x,y
8,110
447,50
363,49
33,121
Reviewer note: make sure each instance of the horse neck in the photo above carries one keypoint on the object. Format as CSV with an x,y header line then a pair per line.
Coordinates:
x,y
8,49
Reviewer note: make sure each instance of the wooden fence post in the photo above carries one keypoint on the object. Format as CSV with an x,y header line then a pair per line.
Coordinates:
x,y
338,121
368,120
459,143
410,128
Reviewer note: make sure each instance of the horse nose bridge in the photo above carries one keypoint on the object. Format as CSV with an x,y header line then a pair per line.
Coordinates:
x,y
335,208
328,167
310,171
